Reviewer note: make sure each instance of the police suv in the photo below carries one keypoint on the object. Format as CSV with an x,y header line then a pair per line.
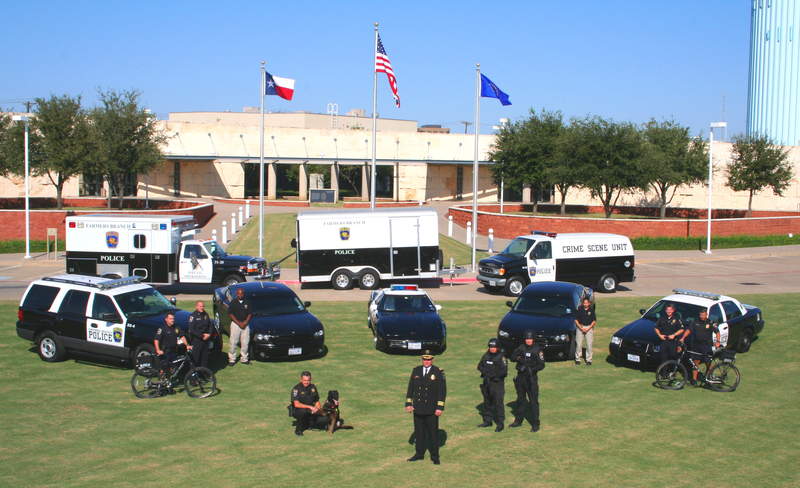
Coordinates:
x,y
102,318
591,259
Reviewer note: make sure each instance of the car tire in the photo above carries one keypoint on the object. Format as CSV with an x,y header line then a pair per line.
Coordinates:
x,y
607,283
514,286
50,348
745,341
342,280
231,279
369,280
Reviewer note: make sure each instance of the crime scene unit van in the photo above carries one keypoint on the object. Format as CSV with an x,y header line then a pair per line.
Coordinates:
x,y
159,249
596,260
367,246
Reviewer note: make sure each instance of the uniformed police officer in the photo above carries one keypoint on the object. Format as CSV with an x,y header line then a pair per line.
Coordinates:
x,y
494,369
305,400
166,342
425,397
670,330
200,334
530,360
703,333
240,313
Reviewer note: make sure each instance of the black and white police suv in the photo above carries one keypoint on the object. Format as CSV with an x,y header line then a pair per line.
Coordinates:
x,y
592,259
403,319
101,318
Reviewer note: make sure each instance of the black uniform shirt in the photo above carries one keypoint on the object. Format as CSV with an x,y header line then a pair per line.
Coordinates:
x,y
240,308
199,324
307,395
493,367
703,333
585,317
426,392
167,338
669,326
528,358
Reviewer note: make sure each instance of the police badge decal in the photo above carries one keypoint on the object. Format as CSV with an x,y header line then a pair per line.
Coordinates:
x,y
344,233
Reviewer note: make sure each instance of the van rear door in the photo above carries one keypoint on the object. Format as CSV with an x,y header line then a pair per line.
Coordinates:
x,y
404,246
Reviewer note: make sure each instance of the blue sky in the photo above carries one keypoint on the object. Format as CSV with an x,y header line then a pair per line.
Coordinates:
x,y
627,60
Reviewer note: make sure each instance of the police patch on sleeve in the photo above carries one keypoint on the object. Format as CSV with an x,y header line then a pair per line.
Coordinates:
x,y
541,355
294,392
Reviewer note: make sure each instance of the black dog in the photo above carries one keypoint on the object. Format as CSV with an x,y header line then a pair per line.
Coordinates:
x,y
330,409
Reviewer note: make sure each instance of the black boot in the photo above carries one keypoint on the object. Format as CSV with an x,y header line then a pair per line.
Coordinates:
x,y
415,457
516,423
486,423
499,427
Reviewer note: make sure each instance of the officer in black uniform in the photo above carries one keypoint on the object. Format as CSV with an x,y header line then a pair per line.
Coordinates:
x,y
425,397
166,342
530,360
671,331
305,400
200,334
494,369
702,333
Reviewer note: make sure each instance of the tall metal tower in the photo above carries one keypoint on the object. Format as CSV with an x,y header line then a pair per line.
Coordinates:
x,y
773,95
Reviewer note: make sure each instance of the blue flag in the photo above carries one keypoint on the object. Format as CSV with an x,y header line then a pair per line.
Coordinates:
x,y
490,90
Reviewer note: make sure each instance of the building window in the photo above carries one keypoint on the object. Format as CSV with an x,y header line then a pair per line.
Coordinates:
x,y
139,241
90,185
176,178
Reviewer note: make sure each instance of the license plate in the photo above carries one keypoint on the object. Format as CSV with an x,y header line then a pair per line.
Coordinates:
x,y
634,358
295,351
415,345
492,283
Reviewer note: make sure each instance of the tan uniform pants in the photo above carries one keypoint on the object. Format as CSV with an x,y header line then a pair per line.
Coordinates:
x,y
579,336
239,335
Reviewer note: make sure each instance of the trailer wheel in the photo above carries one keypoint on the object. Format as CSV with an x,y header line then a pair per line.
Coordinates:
x,y
231,280
342,280
369,280
608,283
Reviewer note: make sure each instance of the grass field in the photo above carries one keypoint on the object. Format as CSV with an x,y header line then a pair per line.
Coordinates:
x,y
78,424
17,246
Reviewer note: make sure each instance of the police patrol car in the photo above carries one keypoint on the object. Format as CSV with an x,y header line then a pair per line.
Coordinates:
x,y
102,318
403,319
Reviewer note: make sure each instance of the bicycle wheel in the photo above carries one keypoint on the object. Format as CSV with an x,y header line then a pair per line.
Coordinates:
x,y
671,375
145,386
723,377
200,382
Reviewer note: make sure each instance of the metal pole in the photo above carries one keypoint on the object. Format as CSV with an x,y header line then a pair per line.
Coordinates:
x,y
710,172
261,165
374,120
27,198
475,162
502,181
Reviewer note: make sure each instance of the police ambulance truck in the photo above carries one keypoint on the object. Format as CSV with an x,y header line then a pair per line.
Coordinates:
x,y
597,260
159,249
367,246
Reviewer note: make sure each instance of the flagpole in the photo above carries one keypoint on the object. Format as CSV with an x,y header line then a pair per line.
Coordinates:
x,y
374,120
475,162
261,165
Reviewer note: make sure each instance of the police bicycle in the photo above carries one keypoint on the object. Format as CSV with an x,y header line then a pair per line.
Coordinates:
x,y
151,379
717,372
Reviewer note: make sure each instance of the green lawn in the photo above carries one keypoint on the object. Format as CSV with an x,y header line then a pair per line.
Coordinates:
x,y
726,242
78,424
459,251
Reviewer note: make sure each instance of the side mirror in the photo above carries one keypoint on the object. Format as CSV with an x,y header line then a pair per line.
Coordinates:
x,y
293,244
438,307
173,300
110,317
509,303
642,311
306,304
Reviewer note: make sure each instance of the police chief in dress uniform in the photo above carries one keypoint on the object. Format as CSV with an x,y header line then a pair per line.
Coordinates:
x,y
494,369
427,390
200,329
702,333
530,360
670,330
305,400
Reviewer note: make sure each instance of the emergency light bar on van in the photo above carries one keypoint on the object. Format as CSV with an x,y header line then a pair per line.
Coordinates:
x,y
693,293
544,233
404,287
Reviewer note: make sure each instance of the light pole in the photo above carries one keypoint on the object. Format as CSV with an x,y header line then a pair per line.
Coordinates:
x,y
712,126
24,118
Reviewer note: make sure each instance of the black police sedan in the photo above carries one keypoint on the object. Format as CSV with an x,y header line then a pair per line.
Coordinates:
x,y
404,320
547,309
281,326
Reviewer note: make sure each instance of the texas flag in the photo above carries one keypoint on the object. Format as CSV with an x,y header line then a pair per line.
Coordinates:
x,y
283,87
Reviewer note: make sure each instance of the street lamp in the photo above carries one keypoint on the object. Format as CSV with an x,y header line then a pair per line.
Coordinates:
x,y
712,126
24,118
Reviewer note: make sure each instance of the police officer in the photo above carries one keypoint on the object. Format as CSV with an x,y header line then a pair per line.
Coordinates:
x,y
703,333
305,400
240,313
425,397
530,360
166,342
494,369
200,334
670,330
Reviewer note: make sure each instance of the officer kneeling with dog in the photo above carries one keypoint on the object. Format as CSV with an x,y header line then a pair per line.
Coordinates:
x,y
494,369
305,406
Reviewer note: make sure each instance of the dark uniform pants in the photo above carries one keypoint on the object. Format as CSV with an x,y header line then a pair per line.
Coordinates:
x,y
426,435
305,419
669,350
527,405
493,396
200,352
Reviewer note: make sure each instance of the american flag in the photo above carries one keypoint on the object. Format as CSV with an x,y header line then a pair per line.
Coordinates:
x,y
383,65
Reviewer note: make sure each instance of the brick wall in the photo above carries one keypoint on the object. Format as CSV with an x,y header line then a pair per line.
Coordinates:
x,y
510,226
267,203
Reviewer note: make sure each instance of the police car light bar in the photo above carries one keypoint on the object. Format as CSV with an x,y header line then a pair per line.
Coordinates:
x,y
544,233
694,293
103,285
404,287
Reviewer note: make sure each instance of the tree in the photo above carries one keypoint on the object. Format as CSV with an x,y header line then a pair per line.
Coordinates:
x,y
756,164
126,139
608,155
671,159
524,149
7,160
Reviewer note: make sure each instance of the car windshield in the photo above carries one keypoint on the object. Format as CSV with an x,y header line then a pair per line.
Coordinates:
x,y
684,311
275,304
141,303
214,249
407,303
552,305
518,247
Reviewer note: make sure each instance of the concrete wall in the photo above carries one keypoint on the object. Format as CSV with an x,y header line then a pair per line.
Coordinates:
x,y
296,120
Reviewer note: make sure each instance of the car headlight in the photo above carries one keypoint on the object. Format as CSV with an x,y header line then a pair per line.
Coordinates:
x,y
501,271
564,337
319,333
627,264
263,337
616,340
503,333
